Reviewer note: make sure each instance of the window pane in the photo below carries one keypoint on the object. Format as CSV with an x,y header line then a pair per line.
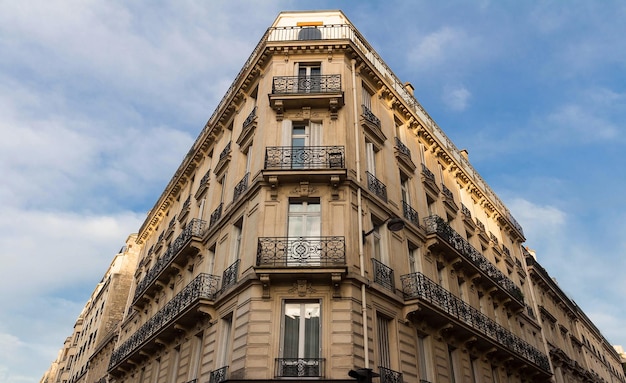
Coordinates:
x,y
312,330
292,330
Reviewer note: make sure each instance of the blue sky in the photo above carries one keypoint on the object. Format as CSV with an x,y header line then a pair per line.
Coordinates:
x,y
100,101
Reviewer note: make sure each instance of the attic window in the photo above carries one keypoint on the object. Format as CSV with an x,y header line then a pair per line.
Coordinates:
x,y
309,30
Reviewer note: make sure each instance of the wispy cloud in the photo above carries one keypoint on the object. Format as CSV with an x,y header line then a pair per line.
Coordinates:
x,y
456,98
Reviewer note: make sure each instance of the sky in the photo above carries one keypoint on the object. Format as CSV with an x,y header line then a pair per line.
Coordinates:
x,y
101,100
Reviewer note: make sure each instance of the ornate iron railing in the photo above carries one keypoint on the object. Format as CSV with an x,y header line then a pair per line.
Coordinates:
x,y
330,83
250,118
216,215
447,192
229,277
390,376
466,211
419,286
195,228
436,224
369,116
410,213
299,367
301,251
205,179
225,151
402,148
204,286
481,226
304,157
186,205
219,375
241,187
383,275
427,173
493,238
376,186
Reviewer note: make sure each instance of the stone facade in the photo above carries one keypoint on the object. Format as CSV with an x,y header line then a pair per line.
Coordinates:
x,y
321,223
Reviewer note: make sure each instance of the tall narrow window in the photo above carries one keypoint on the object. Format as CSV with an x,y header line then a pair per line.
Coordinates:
x,y
424,356
156,369
404,188
367,98
304,230
301,339
304,136
370,157
475,370
414,258
452,364
384,353
174,367
196,357
495,375
210,260
237,233
225,345
309,78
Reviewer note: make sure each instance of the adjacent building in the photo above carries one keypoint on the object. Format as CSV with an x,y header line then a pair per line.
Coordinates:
x,y
323,227
86,353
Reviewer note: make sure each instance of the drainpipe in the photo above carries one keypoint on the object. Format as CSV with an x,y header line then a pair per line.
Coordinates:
x,y
359,213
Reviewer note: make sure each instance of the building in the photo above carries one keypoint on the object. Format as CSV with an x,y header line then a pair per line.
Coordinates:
x,y
322,226
86,353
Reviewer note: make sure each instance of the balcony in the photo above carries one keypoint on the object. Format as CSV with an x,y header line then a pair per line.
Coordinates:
x,y
403,155
219,375
383,275
428,178
204,185
410,214
390,376
188,242
440,306
229,276
215,215
376,186
372,127
315,91
183,310
314,163
241,187
299,367
455,246
295,252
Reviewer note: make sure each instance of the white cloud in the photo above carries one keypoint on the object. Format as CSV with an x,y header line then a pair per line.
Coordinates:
x,y
456,98
435,48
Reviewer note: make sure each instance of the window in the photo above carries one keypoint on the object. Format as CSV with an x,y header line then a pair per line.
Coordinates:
x,y
404,188
196,357
236,250
367,98
175,363
303,230
423,354
300,350
414,258
452,363
309,77
304,134
370,157
384,354
225,342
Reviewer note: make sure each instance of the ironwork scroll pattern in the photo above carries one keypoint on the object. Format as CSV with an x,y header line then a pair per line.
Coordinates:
x,y
304,157
301,251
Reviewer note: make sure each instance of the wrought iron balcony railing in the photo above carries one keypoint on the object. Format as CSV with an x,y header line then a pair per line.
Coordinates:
x,y
402,148
229,277
241,187
301,251
390,376
447,192
216,215
427,173
370,117
219,375
436,224
304,157
383,275
299,367
376,186
195,228
410,213
466,211
225,151
250,118
204,286
419,286
330,83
